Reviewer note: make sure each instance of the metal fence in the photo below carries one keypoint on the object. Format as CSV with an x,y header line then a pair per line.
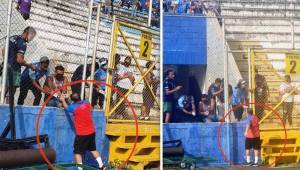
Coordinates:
x,y
76,38
134,70
265,51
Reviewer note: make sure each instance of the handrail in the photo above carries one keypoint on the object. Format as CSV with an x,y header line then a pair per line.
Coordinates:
x,y
282,100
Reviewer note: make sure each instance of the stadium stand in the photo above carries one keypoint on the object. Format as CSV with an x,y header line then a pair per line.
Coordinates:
x,y
61,33
265,25
62,27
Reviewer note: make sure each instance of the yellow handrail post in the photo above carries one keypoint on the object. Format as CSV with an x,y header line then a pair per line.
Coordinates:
x,y
282,100
138,66
253,78
132,87
111,65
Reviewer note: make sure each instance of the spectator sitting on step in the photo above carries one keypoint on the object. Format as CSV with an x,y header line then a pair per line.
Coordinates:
x,y
23,6
30,81
99,90
239,97
207,113
187,108
58,79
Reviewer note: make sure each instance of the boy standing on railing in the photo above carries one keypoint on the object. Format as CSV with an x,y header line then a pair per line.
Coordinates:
x,y
84,128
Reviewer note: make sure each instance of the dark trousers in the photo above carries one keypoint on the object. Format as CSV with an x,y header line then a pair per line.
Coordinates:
x,y
97,98
287,112
24,87
238,113
121,110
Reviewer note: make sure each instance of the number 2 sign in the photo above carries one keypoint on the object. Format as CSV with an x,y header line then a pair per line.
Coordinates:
x,y
145,46
292,64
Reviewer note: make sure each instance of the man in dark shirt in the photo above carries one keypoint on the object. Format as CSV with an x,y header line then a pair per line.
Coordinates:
x,y
261,93
23,6
78,74
214,91
169,89
30,81
16,58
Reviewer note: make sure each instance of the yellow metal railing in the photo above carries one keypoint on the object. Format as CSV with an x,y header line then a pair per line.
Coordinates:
x,y
116,31
282,100
253,59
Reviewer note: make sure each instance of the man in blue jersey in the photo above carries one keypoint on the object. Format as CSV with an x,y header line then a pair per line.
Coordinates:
x,y
30,81
16,57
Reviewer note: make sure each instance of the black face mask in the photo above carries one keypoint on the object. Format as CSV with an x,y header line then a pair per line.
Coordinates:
x,y
127,63
59,76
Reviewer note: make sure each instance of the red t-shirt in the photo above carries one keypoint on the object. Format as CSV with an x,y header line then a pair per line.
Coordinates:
x,y
253,123
83,121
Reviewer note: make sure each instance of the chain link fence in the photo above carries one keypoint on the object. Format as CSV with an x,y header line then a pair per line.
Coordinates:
x,y
61,36
134,65
261,48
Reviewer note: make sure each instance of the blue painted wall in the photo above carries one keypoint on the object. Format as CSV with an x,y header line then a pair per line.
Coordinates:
x,y
184,40
201,140
59,126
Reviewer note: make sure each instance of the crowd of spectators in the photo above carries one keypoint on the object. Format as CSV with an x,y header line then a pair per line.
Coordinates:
x,y
191,7
37,78
134,7
211,106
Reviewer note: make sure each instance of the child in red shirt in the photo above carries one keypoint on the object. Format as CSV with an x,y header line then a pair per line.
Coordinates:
x,y
84,128
252,136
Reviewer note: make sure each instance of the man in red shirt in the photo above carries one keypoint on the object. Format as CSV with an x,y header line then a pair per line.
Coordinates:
x,y
84,128
252,136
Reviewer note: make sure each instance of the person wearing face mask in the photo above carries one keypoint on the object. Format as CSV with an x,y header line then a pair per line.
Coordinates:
x,y
124,81
16,58
58,79
239,97
30,81
99,90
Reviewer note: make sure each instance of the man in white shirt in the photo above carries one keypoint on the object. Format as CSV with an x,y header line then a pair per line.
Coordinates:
x,y
284,90
125,79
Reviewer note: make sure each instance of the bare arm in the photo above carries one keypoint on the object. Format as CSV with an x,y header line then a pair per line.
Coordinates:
x,y
63,101
185,111
218,92
50,83
246,130
174,90
20,59
36,85
194,108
